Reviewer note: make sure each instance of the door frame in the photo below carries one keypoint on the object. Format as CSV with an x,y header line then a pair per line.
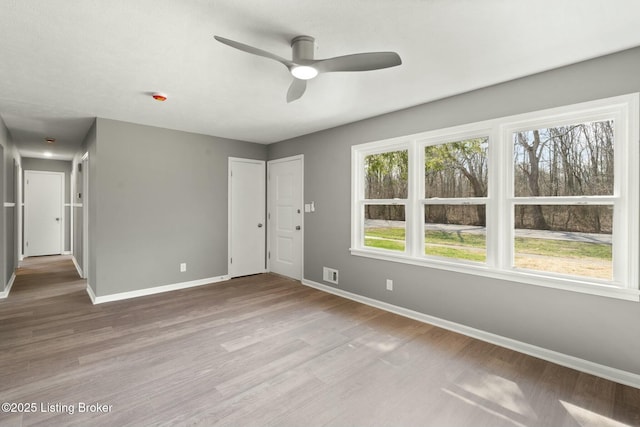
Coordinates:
x,y
299,157
229,211
26,207
19,212
84,161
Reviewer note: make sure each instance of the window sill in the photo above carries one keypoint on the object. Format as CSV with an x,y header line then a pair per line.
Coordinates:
x,y
531,278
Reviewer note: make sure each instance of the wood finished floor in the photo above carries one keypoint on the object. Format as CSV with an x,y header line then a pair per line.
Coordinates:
x,y
265,350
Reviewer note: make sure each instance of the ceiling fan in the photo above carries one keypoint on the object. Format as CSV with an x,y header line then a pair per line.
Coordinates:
x,y
303,67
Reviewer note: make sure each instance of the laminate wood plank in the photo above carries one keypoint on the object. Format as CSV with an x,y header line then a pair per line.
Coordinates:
x,y
264,350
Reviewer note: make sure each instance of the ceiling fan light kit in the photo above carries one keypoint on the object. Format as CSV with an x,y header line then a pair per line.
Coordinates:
x,y
303,72
304,67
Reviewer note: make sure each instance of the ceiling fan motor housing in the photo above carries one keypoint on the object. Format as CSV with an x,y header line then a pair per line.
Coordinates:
x,y
302,47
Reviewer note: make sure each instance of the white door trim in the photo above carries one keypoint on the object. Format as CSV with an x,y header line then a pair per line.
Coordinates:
x,y
72,195
85,215
62,216
269,228
229,209
19,210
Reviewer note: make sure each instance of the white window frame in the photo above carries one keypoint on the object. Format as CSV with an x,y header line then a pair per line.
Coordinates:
x,y
358,180
460,133
500,201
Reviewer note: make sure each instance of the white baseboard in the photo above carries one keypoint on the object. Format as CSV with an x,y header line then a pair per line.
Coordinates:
x,y
66,253
78,269
92,295
5,293
154,290
613,374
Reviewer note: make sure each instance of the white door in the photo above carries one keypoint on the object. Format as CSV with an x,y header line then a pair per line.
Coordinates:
x,y
43,210
285,216
247,229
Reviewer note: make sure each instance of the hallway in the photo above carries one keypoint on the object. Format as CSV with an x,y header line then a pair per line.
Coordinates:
x,y
40,278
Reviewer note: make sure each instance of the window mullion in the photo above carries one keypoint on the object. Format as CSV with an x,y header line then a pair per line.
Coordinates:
x,y
566,200
455,201
413,224
498,225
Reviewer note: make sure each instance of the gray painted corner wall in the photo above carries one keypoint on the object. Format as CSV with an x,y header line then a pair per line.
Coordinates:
x,y
92,199
161,200
597,329
50,165
76,206
8,258
79,201
3,215
11,225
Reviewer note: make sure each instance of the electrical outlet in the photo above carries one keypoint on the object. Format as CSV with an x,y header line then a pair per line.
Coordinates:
x,y
183,267
330,275
389,284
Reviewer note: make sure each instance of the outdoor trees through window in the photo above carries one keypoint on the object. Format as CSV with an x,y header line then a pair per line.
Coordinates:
x,y
556,165
547,197
456,178
386,187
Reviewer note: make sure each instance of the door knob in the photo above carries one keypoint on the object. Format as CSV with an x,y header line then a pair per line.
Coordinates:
x,y
297,227
57,219
260,225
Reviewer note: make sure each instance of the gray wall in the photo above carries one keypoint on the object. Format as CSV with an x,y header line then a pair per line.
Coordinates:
x,y
80,197
49,165
158,198
8,249
598,329
11,224
3,215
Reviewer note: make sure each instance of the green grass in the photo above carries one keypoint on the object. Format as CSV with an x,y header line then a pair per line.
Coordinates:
x,y
458,239
392,245
452,245
562,248
394,233
455,253
393,238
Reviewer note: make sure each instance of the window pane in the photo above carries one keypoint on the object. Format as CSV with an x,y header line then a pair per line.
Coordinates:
x,y
386,175
572,160
384,227
573,240
456,169
456,231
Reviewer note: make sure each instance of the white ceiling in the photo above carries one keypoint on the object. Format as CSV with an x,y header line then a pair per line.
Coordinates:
x,y
64,62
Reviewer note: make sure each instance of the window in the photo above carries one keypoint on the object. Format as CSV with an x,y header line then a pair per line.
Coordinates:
x,y
563,198
455,190
385,199
547,198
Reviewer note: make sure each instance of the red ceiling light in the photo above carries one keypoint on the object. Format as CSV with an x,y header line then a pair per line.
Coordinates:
x,y
158,96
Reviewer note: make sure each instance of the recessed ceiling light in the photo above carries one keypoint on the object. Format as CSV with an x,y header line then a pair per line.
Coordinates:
x,y
159,96
49,140
48,154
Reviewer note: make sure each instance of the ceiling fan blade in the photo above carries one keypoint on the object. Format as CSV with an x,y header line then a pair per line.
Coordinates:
x,y
359,62
296,89
254,50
